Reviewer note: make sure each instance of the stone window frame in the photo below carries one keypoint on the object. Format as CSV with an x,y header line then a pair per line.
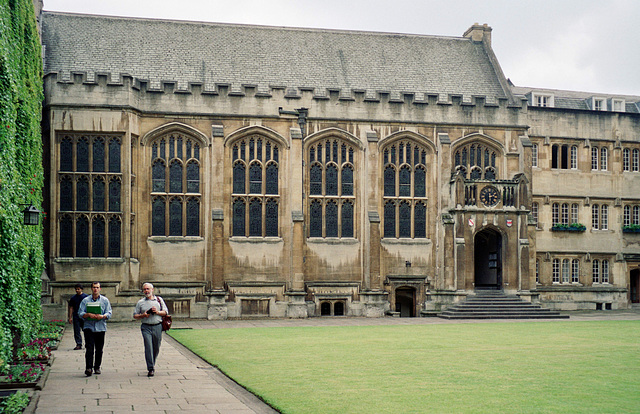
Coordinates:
x,y
78,230
398,155
332,200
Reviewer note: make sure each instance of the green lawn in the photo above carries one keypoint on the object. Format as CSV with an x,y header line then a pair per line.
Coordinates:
x,y
525,367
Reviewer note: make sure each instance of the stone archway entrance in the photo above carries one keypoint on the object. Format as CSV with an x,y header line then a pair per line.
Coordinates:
x,y
488,260
406,301
634,281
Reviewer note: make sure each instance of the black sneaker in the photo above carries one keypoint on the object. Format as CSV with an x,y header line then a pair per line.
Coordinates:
x,y
87,372
77,347
150,373
97,371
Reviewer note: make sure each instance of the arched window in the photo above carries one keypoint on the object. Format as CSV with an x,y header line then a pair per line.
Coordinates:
x,y
565,213
255,207
331,188
565,271
481,156
555,271
635,161
626,157
66,193
82,236
574,157
405,187
98,194
82,193
98,154
595,216
114,155
114,194
595,271
175,184
114,236
66,154
575,271
66,236
555,218
626,216
82,160
98,236
534,155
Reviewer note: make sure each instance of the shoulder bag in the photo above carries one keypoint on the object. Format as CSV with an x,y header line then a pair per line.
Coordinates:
x,y
166,319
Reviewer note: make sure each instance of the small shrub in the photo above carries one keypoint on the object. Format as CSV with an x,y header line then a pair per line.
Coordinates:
x,y
15,403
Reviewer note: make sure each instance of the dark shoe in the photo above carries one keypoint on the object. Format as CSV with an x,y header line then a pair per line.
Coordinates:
x,y
97,371
150,373
77,347
87,372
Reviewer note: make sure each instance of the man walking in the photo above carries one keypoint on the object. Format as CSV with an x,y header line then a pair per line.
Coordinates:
x,y
95,310
150,310
78,323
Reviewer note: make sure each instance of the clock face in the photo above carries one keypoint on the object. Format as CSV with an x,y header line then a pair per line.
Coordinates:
x,y
489,196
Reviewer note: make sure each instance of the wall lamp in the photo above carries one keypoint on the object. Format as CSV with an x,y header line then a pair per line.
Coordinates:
x,y
31,215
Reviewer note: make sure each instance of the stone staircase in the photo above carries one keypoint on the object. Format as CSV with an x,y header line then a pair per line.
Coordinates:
x,y
495,304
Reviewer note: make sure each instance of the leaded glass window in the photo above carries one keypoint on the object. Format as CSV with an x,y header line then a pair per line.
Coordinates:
x,y
481,157
114,194
82,236
114,237
82,160
66,194
98,194
271,218
98,154
66,236
175,217
66,154
331,188
193,216
82,194
98,236
405,187
114,155
255,173
175,180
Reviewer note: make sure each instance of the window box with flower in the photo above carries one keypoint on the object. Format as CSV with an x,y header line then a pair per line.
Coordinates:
x,y
569,227
632,228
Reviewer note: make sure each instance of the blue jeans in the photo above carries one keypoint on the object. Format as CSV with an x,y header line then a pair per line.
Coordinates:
x,y
152,337
78,324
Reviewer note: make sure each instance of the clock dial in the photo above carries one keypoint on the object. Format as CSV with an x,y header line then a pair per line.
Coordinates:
x,y
489,196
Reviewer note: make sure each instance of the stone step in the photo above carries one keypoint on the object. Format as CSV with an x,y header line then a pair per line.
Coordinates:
x,y
497,305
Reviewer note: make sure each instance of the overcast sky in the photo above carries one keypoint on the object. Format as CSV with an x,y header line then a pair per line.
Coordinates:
x,y
580,45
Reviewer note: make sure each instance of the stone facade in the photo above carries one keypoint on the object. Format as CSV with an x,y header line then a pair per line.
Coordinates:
x,y
383,174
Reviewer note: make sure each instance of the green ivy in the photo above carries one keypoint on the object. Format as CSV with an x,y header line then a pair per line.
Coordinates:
x,y
21,173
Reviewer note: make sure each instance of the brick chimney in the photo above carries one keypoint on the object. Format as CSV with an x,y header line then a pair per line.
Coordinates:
x,y
479,33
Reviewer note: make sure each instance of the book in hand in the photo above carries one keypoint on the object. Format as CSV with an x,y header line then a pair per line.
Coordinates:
x,y
94,307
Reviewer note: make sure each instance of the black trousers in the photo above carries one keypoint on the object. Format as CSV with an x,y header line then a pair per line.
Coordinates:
x,y
94,343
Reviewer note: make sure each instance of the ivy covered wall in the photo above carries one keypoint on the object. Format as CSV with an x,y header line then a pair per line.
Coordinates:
x,y
21,173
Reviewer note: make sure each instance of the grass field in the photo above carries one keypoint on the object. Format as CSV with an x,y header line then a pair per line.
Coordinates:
x,y
525,367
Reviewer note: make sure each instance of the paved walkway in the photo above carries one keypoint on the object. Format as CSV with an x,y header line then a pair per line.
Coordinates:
x,y
183,381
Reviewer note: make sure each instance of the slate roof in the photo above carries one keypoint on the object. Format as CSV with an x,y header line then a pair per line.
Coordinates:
x,y
578,100
264,57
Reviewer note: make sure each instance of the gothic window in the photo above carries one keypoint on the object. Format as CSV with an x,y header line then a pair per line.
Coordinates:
x,y
66,193
82,158
193,216
481,161
331,189
86,188
98,154
114,237
98,236
82,236
114,194
255,173
175,186
82,193
66,154
66,236
98,194
405,187
114,155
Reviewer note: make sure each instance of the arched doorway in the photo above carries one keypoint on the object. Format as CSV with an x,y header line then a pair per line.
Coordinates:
x,y
634,281
406,302
488,259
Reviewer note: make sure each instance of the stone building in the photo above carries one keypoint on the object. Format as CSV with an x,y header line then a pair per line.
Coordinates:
x,y
258,171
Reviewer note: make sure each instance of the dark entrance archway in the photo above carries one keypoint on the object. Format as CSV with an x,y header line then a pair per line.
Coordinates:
x,y
634,279
488,259
406,302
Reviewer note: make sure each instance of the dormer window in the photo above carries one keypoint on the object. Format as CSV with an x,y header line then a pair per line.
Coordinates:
x,y
599,104
617,105
545,101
